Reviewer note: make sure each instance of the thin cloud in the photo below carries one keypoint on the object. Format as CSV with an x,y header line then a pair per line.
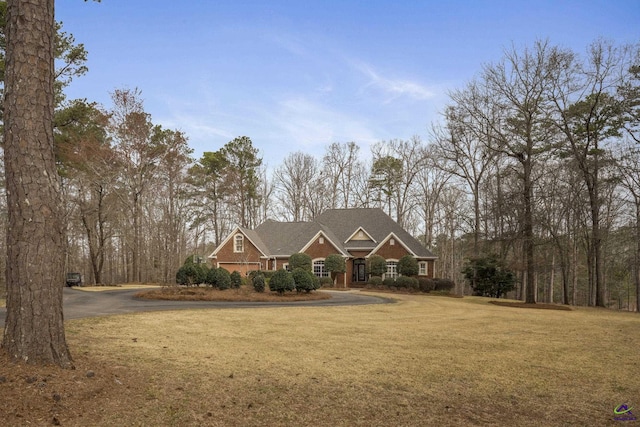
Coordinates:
x,y
395,88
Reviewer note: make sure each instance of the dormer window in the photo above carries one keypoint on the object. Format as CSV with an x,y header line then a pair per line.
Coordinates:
x,y
238,243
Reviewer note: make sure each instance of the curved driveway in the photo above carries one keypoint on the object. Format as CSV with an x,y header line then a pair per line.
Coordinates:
x,y
79,304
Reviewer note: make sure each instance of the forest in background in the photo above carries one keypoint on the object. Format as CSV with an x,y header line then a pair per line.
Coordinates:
x,y
536,160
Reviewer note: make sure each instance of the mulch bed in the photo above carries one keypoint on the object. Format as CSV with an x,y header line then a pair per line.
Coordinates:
x,y
539,306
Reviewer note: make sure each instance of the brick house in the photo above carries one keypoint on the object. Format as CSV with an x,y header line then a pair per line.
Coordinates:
x,y
356,234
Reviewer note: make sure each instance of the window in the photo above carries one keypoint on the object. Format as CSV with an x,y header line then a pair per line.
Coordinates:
x,y
321,240
392,270
318,268
392,242
422,268
238,243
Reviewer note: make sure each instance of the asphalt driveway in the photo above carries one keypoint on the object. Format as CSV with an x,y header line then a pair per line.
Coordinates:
x,y
80,304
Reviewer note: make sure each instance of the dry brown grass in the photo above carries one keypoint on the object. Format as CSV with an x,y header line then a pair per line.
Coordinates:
x,y
422,361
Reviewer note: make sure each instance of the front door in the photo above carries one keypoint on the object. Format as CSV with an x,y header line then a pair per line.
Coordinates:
x,y
359,270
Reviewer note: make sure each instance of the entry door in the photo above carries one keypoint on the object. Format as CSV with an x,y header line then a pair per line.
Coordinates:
x,y
359,270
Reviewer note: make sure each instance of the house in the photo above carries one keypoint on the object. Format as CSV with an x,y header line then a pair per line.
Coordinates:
x,y
356,234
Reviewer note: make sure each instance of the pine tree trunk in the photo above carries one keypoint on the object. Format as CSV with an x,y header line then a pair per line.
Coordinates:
x,y
34,328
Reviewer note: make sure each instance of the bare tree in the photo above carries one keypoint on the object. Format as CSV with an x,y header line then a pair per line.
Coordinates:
x,y
396,166
296,181
517,87
464,153
588,114
339,165
629,166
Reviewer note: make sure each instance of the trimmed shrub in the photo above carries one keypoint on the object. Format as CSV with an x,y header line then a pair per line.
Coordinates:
x,y
443,285
375,281
282,281
325,282
376,265
222,279
191,274
211,277
408,266
258,282
389,282
300,260
303,280
236,280
182,276
407,282
425,284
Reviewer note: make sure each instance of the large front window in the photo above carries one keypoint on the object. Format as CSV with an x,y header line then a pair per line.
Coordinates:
x,y
318,268
392,270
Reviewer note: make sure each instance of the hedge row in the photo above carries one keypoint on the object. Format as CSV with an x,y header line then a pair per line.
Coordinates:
x,y
421,284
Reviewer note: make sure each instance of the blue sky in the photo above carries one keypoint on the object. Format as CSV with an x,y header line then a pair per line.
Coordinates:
x,y
299,75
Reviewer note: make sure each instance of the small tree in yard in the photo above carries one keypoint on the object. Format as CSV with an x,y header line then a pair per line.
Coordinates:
x,y
408,266
488,276
282,281
376,265
335,264
300,260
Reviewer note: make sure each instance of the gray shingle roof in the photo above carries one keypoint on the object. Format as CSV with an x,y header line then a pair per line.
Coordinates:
x,y
286,238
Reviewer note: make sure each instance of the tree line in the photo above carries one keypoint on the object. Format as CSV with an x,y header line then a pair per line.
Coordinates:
x,y
535,162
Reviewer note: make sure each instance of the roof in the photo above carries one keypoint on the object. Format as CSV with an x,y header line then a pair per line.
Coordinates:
x,y
376,223
362,229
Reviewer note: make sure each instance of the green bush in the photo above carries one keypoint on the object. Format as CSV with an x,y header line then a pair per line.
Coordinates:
x,y
258,282
325,282
236,280
303,279
375,281
425,284
182,276
489,276
408,266
389,282
300,260
222,279
407,282
282,281
443,285
376,265
192,274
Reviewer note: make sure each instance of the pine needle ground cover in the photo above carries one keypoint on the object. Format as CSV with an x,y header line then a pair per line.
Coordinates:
x,y
424,360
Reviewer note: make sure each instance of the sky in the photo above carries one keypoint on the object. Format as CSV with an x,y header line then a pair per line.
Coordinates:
x,y
299,75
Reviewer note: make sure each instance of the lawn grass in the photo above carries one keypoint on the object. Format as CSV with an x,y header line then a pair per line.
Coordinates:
x,y
423,361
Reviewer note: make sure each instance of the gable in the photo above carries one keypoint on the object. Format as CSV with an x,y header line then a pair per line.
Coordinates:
x,y
322,245
376,223
252,244
392,248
